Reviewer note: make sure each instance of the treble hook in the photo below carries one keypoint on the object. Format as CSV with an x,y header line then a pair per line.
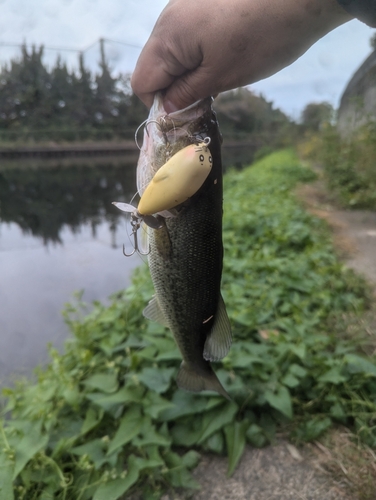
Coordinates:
x,y
135,227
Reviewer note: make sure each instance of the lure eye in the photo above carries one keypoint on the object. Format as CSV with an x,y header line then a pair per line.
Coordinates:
x,y
177,180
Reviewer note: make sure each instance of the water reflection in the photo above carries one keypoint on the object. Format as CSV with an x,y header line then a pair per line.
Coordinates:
x,y
59,233
42,200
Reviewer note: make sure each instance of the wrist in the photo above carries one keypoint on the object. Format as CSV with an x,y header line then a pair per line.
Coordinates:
x,y
322,16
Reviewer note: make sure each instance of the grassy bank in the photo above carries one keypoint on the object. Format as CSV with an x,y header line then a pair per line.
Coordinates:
x,y
106,417
348,163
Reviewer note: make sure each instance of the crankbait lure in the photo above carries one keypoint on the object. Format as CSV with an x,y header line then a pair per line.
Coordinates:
x,y
178,179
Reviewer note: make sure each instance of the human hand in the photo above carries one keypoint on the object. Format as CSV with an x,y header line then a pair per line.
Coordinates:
x,y
201,48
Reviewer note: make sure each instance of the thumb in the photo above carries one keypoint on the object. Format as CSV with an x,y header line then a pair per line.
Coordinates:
x,y
187,89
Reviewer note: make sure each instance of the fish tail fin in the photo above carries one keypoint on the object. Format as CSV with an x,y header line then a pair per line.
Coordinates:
x,y
190,380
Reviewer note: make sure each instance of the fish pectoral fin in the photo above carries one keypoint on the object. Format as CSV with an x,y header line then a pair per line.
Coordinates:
x,y
153,312
218,341
190,380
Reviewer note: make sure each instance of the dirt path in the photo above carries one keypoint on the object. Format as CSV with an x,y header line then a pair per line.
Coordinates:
x,y
279,472
315,472
354,231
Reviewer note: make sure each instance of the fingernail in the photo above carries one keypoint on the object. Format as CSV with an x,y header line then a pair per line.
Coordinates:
x,y
169,106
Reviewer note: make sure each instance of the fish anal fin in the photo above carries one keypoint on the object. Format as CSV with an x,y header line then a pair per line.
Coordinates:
x,y
153,312
218,341
190,380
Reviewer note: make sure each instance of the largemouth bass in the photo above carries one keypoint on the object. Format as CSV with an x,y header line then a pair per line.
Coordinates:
x,y
186,250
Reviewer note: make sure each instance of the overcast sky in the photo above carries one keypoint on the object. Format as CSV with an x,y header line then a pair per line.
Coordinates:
x,y
320,74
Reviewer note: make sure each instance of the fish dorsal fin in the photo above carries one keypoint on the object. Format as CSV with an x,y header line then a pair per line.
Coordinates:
x,y
218,341
153,312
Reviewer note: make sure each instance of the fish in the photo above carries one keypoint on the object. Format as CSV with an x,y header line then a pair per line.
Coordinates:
x,y
185,246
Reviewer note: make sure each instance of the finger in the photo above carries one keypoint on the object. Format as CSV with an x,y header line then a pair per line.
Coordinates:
x,y
189,88
154,71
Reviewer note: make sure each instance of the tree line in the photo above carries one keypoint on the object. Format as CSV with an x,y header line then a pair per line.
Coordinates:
x,y
38,103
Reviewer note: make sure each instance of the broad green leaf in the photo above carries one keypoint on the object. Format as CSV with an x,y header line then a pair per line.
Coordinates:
x,y
183,434
130,425
48,492
338,412
156,379
181,478
27,447
95,451
184,403
298,370
154,456
178,475
122,396
357,364
171,355
235,441
105,382
313,428
6,476
72,395
92,419
290,380
154,404
255,436
191,459
115,488
215,443
148,435
148,352
280,400
299,350
163,343
333,376
216,419
268,425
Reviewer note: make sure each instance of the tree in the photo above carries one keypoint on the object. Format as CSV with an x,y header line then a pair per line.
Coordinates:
x,y
315,115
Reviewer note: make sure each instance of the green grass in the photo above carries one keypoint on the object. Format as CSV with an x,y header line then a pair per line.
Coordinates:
x,y
106,418
349,165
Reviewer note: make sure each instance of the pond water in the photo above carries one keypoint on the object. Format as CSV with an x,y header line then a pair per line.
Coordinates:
x,y
59,233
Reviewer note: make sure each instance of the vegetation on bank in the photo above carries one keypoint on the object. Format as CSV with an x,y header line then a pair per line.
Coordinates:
x,y
106,418
348,163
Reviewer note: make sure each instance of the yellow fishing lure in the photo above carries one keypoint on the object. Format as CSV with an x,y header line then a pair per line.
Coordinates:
x,y
177,180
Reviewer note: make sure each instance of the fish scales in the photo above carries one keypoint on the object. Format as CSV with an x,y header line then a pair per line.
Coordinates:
x,y
186,255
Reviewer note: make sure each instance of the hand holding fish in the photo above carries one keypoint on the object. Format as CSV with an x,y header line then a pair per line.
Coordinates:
x,y
198,49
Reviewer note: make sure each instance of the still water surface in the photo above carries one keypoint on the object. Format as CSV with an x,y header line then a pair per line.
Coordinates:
x,y
59,233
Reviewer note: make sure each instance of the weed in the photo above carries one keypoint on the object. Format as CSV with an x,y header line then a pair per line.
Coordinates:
x,y
106,418
348,163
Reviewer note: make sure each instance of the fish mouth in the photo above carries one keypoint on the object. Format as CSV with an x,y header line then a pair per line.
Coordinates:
x,y
190,113
204,103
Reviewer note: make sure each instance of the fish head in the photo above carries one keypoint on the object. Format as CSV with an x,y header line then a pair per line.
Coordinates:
x,y
167,133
